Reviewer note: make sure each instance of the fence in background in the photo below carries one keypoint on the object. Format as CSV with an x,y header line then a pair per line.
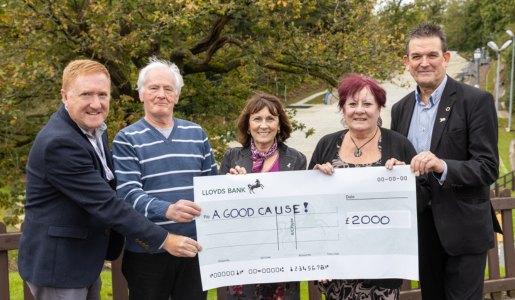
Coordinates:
x,y
493,286
504,182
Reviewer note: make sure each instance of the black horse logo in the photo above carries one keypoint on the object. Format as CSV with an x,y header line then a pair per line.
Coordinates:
x,y
255,186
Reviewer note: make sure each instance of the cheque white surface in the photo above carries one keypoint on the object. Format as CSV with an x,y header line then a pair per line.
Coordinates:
x,y
359,223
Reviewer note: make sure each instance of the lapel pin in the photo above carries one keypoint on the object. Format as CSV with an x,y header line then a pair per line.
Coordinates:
x,y
442,119
448,109
289,165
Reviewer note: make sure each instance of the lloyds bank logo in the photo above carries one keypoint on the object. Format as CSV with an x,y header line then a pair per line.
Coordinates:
x,y
234,190
255,186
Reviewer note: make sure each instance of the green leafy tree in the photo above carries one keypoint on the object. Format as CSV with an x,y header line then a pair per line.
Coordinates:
x,y
224,49
432,10
401,15
455,22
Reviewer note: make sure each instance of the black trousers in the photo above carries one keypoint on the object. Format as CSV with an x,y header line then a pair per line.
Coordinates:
x,y
442,276
161,275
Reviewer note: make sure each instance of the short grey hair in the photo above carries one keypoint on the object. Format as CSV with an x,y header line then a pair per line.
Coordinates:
x,y
155,62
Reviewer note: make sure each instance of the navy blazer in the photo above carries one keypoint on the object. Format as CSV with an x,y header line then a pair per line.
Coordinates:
x,y
465,137
71,208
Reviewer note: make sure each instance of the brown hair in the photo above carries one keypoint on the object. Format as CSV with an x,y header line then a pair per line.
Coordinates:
x,y
81,67
427,30
255,104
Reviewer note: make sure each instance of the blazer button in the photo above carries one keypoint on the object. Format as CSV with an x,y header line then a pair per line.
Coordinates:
x,y
136,240
106,233
146,246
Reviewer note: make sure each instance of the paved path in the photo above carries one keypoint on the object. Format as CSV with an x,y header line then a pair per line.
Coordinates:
x,y
309,98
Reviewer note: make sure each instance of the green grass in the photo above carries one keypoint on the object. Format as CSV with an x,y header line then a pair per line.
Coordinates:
x,y
293,101
505,139
489,85
211,295
16,287
318,100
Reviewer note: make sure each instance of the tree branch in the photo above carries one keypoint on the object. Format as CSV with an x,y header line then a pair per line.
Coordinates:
x,y
190,68
203,44
317,72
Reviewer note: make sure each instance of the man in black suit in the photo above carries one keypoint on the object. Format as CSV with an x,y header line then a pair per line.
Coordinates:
x,y
72,209
453,127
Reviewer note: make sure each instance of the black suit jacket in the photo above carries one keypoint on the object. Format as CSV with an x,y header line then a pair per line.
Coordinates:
x,y
71,208
465,137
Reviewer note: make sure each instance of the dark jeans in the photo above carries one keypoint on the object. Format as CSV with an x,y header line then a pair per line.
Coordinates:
x,y
159,276
446,277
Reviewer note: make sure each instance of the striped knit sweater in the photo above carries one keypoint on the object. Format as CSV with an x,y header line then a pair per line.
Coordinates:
x,y
153,171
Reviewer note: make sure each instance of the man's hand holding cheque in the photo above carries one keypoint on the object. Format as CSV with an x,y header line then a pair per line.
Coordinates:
x,y
426,162
183,211
182,246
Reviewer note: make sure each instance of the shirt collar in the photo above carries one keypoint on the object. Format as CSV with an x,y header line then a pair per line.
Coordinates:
x,y
435,96
98,131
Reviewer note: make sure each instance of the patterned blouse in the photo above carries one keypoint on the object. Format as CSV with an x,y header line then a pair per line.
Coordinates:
x,y
356,289
337,162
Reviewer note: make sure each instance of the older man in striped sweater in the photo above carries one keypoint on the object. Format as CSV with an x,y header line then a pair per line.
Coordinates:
x,y
155,161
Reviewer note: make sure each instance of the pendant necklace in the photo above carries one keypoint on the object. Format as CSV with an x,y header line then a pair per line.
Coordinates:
x,y
358,152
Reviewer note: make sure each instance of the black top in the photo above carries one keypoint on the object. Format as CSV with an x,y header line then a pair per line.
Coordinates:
x,y
394,145
289,159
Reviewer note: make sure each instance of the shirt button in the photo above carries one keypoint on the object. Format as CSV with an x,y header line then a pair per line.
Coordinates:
x,y
423,129
421,150
106,233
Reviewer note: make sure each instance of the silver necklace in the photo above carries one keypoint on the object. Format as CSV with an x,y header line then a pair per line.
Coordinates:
x,y
358,152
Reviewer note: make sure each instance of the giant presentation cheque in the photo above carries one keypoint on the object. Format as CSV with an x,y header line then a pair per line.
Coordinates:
x,y
359,223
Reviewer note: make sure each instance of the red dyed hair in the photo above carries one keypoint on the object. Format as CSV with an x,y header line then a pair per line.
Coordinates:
x,y
353,83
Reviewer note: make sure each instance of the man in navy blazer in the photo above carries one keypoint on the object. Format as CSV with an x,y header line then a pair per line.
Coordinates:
x,y
74,219
453,127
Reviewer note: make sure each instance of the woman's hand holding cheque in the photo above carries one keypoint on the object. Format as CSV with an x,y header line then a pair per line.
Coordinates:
x,y
237,171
